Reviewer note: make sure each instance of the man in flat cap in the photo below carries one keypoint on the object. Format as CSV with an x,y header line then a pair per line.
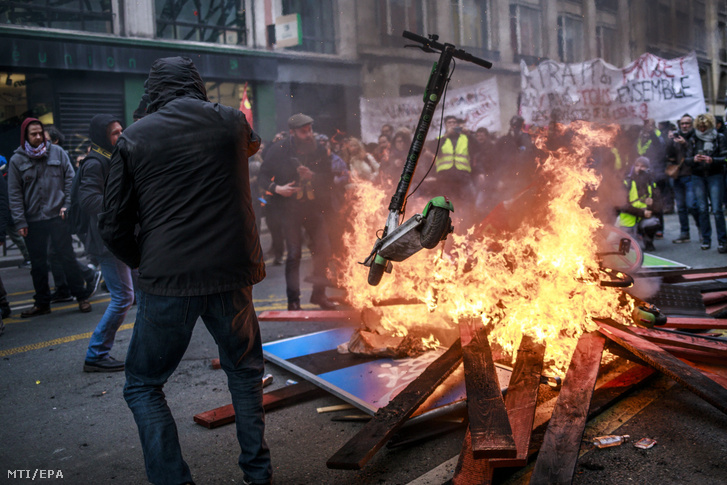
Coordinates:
x,y
297,178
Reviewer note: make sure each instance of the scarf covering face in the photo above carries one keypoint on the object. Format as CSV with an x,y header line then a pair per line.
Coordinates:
x,y
36,152
708,138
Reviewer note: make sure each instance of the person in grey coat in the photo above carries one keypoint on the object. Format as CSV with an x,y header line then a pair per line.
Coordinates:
x,y
39,188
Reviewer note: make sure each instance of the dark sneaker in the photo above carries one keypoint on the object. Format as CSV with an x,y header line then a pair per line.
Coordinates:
x,y
35,311
650,247
323,302
59,297
722,248
109,364
92,283
705,246
25,264
84,306
683,238
293,306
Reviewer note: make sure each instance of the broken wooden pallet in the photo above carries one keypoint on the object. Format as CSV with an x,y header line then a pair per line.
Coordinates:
x,y
312,315
556,461
520,402
277,398
491,435
387,420
666,363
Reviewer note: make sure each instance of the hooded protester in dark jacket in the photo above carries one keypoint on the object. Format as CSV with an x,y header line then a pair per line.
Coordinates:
x,y
175,240
92,172
181,174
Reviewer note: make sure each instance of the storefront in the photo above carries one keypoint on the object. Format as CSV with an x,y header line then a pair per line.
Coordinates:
x,y
66,78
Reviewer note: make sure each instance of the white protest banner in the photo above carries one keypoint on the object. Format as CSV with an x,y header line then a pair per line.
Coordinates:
x,y
477,105
649,87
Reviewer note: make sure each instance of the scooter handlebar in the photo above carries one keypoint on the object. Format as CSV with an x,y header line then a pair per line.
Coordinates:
x,y
458,53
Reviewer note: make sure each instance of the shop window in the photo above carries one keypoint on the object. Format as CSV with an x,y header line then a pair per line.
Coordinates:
x,y
215,21
85,15
228,94
471,19
317,25
570,38
525,30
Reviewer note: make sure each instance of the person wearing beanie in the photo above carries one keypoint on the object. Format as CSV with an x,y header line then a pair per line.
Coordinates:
x,y
39,189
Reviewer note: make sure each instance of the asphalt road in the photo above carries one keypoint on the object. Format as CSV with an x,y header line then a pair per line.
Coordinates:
x,y
56,418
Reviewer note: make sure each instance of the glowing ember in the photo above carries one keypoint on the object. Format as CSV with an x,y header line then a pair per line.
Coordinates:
x,y
530,268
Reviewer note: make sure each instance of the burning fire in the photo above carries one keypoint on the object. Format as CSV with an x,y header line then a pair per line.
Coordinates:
x,y
530,268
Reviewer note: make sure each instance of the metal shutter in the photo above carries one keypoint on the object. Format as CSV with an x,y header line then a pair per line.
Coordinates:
x,y
75,111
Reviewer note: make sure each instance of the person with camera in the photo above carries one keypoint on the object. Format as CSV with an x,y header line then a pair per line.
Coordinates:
x,y
705,155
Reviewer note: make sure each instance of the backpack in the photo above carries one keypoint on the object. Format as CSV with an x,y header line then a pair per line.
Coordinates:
x,y
79,220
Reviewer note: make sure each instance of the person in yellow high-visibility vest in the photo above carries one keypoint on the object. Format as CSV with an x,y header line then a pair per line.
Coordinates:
x,y
454,175
639,215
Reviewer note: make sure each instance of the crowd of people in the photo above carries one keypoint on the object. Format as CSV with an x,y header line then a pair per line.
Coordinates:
x,y
172,222
658,169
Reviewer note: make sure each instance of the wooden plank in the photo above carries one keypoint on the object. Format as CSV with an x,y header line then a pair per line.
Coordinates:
x,y
387,420
694,355
695,323
666,363
556,461
684,275
491,435
275,399
310,315
714,297
715,310
660,337
720,379
522,398
470,470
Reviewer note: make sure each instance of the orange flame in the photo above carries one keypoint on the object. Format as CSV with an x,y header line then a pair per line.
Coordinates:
x,y
535,272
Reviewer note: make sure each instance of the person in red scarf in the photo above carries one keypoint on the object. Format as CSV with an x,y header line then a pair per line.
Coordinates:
x,y
39,189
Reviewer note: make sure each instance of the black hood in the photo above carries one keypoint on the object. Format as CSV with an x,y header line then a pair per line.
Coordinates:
x,y
171,78
98,131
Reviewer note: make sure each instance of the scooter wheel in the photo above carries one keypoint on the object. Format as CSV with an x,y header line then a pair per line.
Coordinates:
x,y
376,272
435,228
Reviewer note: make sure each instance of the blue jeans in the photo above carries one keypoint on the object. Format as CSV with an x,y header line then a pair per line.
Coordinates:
x,y
118,280
706,189
686,202
161,335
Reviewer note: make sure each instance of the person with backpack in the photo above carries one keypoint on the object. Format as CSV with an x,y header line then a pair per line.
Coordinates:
x,y
86,203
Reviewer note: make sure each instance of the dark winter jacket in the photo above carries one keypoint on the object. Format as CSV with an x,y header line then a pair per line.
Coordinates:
x,y
92,176
718,154
280,167
39,187
677,152
181,174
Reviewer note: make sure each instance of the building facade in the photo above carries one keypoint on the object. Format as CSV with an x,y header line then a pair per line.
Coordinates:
x,y
66,61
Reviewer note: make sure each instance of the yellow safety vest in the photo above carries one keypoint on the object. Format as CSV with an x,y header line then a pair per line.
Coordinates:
x,y
458,156
630,220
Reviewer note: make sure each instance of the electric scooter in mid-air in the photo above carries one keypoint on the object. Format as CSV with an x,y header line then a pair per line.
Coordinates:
x,y
425,230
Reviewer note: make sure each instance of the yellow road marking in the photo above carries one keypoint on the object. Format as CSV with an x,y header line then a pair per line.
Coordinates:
x,y
58,341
